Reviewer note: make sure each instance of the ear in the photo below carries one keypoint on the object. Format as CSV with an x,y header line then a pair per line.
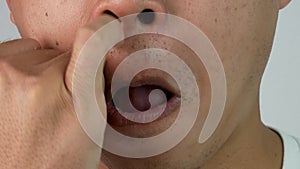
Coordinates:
x,y
12,18
8,3
284,3
11,15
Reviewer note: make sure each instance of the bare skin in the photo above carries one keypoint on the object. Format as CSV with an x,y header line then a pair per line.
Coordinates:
x,y
242,32
38,121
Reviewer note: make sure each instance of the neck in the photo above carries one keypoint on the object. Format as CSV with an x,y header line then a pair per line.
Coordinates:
x,y
251,145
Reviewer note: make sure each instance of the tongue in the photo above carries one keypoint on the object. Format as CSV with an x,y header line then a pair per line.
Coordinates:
x,y
139,97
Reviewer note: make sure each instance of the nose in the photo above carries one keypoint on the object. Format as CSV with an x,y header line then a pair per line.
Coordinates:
x,y
120,8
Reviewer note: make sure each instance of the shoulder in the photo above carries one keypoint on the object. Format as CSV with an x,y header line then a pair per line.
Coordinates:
x,y
291,146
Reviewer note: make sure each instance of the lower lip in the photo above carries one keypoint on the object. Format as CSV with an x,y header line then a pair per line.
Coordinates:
x,y
116,119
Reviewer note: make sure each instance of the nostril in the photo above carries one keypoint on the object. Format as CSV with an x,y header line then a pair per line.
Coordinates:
x,y
108,12
147,16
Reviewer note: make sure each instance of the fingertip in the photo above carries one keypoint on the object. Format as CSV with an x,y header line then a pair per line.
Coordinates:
x,y
101,21
17,46
84,33
83,36
24,44
32,43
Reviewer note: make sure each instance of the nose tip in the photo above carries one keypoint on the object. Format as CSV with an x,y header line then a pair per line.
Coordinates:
x,y
121,8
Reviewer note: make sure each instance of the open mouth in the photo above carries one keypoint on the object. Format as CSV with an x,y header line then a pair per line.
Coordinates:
x,y
133,105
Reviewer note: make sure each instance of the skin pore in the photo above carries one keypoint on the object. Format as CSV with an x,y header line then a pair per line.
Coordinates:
x,y
241,31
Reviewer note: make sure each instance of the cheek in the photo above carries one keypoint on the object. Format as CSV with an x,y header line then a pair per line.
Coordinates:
x,y
53,23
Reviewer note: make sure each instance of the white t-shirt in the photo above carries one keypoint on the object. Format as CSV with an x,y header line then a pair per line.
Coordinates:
x,y
291,159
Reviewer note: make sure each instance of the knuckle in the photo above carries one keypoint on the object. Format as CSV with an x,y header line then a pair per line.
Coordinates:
x,y
32,43
32,82
29,87
17,79
33,87
2,73
4,68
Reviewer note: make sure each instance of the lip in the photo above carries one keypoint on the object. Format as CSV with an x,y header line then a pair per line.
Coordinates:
x,y
116,119
156,78
147,77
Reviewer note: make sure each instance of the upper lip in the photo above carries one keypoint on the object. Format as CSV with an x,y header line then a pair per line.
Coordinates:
x,y
147,77
156,78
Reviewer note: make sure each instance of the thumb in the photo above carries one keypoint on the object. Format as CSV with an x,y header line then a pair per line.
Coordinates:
x,y
82,37
78,77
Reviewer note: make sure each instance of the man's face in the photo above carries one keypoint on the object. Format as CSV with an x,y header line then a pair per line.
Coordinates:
x,y
241,31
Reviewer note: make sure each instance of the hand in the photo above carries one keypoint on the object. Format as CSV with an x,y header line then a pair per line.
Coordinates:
x,y
38,125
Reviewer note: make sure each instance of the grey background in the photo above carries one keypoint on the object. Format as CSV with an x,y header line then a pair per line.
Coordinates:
x,y
280,90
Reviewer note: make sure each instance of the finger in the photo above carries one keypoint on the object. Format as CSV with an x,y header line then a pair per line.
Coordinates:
x,y
18,46
82,37
30,60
